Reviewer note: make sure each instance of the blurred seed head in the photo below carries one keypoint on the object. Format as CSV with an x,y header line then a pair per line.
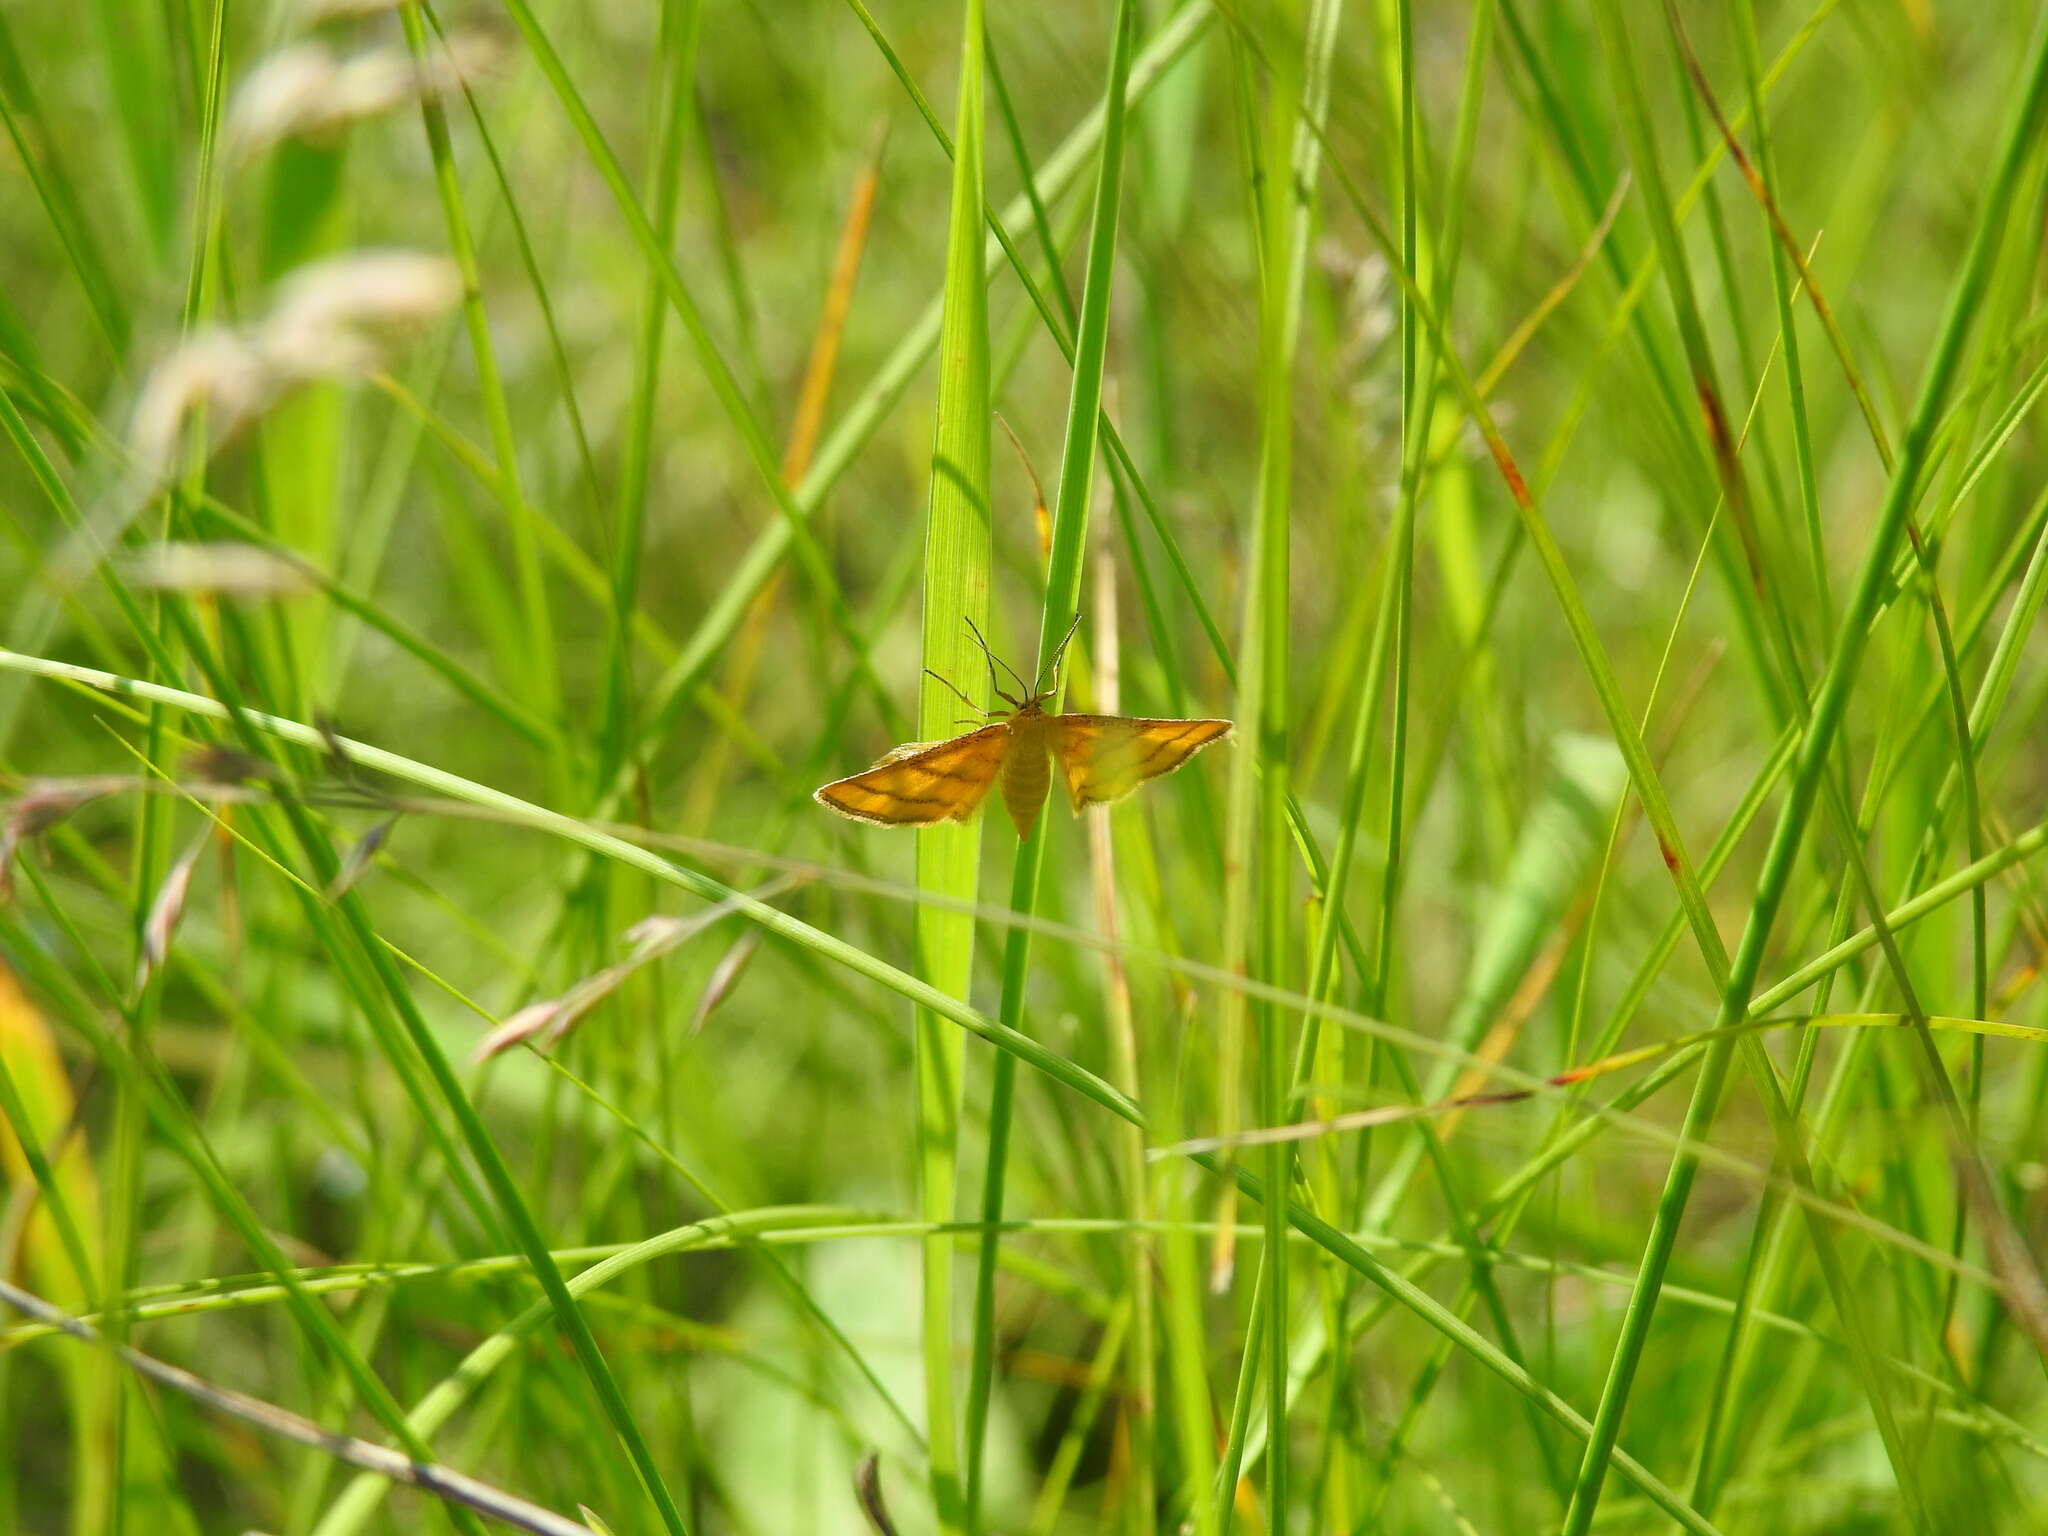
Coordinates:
x,y
725,976
225,569
43,804
652,937
309,91
213,368
359,858
332,319
165,912
335,318
658,932
284,95
1367,294
549,1016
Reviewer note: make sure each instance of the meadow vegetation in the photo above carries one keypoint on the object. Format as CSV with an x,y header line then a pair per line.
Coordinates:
x,y
1574,1059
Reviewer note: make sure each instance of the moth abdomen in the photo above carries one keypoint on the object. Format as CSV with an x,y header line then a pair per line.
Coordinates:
x,y
1027,769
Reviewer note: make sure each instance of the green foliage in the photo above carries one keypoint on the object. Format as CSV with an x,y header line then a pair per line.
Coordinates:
x,y
465,485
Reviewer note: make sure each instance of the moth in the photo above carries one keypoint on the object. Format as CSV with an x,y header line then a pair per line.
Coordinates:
x,y
1101,757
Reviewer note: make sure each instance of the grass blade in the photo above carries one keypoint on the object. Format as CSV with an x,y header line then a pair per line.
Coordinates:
x,y
956,582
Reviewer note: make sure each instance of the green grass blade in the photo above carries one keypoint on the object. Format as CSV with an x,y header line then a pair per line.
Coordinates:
x,y
956,594
1062,606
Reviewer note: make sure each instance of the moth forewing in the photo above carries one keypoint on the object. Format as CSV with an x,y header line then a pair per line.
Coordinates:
x,y
923,783
1105,757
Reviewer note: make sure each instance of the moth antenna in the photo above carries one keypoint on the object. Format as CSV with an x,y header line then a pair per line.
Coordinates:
x,y
994,682
1052,667
947,682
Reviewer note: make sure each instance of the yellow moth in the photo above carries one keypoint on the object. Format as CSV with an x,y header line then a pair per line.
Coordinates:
x,y
1101,757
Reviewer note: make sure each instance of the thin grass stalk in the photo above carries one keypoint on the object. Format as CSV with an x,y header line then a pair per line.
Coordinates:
x,y
1249,945
678,55
1232,1016
36,147
1401,581
1041,222
1286,230
543,673
1366,718
1141,1397
151,862
1177,1258
529,260
1418,427
1788,330
1062,605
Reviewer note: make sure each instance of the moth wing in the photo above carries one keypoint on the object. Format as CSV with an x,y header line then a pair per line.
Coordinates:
x,y
923,782
1105,757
